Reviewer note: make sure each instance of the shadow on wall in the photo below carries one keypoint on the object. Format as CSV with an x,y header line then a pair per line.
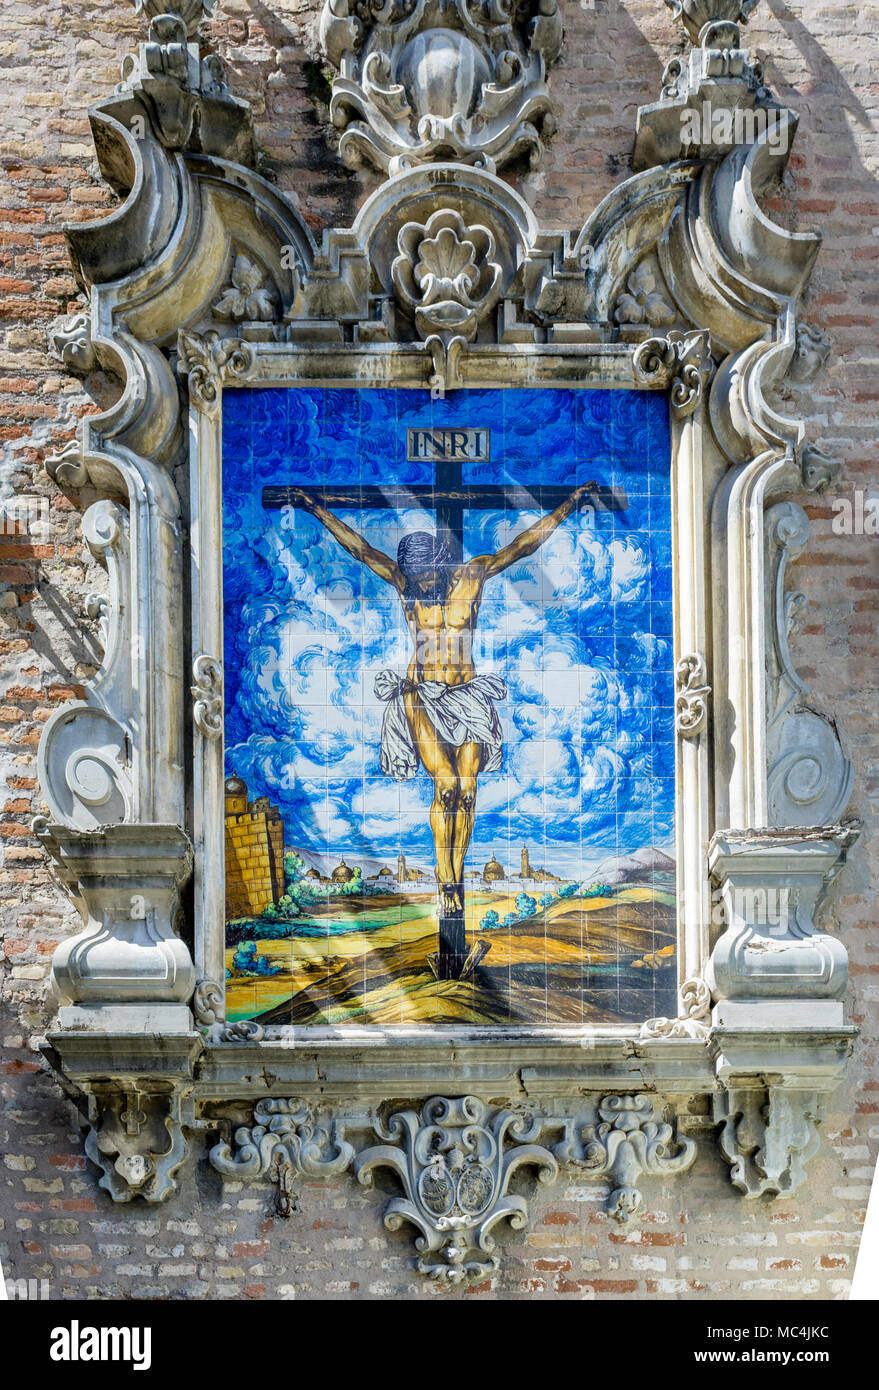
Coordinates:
x,y
293,130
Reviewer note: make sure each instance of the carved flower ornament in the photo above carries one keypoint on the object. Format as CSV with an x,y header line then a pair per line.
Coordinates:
x,y
249,296
445,274
642,303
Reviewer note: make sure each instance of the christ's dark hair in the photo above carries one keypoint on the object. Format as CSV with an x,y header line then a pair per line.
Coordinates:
x,y
421,553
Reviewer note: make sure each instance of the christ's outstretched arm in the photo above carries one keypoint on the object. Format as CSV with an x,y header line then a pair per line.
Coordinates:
x,y
532,539
350,540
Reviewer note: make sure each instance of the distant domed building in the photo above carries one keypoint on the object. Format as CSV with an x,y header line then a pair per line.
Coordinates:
x,y
493,871
342,874
313,873
384,872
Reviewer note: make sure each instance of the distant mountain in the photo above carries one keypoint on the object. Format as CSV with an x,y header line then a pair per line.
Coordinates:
x,y
643,865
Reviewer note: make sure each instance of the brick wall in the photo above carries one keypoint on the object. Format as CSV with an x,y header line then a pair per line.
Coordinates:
x,y
699,1240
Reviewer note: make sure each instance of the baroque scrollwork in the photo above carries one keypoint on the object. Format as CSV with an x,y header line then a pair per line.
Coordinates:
x,y
682,362
208,1003
245,1030
694,1020
208,362
809,777
692,693
85,756
283,1142
631,1139
455,1160
423,80
207,695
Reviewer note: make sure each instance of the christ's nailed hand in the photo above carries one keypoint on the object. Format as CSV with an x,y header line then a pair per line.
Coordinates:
x,y
584,494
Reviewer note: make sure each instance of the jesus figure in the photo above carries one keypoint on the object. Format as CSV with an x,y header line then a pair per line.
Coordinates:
x,y
442,713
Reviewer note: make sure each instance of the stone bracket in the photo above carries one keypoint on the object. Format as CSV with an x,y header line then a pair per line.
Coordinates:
x,y
134,1094
768,1135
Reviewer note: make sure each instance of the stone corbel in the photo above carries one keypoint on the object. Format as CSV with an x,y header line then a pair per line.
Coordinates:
x,y
70,340
810,356
767,1136
137,1138
283,1142
454,1160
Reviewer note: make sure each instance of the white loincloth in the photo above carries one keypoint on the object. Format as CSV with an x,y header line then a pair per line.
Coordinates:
x,y
459,713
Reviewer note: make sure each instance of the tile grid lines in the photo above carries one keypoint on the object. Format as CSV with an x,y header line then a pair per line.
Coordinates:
x,y
287,442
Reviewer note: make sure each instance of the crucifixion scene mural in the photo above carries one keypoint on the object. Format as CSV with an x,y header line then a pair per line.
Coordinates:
x,y
449,722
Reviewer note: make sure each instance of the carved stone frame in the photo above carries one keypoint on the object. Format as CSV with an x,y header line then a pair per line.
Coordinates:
x,y
573,366
679,282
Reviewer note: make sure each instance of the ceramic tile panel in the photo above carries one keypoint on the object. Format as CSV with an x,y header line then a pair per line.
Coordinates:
x,y
358,733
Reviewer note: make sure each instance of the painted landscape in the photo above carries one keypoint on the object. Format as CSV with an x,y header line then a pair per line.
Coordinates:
x,y
598,953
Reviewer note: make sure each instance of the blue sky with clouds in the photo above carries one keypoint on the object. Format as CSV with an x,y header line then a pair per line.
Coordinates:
x,y
580,632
